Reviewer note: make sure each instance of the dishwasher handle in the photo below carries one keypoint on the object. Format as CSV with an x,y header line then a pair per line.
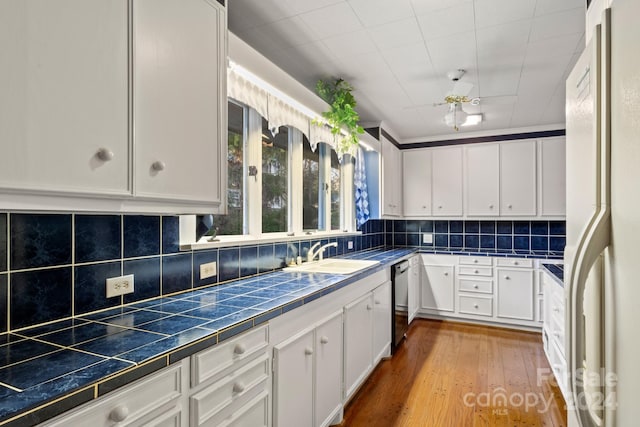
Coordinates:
x,y
401,267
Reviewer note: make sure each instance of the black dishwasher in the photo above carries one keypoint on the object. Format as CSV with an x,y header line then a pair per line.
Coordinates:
x,y
399,302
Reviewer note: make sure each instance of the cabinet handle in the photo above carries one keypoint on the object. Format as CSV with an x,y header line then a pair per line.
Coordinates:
x,y
440,207
509,206
507,278
308,351
324,340
475,261
369,307
158,166
446,273
490,206
238,387
515,263
239,349
119,413
475,271
377,302
424,207
475,286
105,154
556,309
475,305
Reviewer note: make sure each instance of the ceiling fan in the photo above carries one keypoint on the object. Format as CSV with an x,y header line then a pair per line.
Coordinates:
x,y
457,96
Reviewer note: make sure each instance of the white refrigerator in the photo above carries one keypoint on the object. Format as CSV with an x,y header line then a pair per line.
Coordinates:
x,y
602,256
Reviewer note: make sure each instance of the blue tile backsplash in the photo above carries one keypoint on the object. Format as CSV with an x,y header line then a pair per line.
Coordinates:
x,y
54,266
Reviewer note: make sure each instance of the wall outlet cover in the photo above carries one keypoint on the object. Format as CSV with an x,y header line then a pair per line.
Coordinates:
x,y
427,238
120,285
209,269
350,244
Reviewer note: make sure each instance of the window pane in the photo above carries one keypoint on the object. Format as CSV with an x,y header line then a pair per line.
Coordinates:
x,y
232,223
310,182
275,156
335,191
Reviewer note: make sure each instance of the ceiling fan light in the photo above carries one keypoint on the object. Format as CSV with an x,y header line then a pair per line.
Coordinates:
x,y
472,120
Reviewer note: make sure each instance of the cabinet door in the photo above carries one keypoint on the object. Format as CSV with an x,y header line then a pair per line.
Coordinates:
x,y
328,397
414,287
438,287
381,321
447,181
515,294
358,324
416,182
179,99
391,179
64,96
482,179
552,177
293,381
518,178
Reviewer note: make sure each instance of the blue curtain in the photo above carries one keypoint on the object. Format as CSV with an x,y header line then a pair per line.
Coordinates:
x,y
362,197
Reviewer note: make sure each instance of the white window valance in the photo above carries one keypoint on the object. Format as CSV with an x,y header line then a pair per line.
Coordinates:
x,y
248,93
321,133
283,114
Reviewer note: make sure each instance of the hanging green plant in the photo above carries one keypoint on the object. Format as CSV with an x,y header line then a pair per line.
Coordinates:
x,y
342,113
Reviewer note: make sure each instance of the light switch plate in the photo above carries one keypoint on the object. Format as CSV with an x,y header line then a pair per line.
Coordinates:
x,y
427,238
120,285
209,269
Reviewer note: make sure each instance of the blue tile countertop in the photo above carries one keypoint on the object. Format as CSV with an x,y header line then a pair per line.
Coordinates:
x,y
71,362
556,271
493,253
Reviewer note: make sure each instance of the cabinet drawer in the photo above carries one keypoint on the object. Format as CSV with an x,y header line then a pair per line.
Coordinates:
x,y
482,306
476,285
139,399
254,413
229,390
475,271
475,260
514,262
209,363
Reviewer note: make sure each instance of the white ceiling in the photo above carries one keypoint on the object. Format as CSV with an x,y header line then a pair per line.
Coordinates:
x,y
396,53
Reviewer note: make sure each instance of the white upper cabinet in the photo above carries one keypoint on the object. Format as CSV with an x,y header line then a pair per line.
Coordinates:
x,y
518,178
447,181
64,103
552,182
179,64
482,179
391,202
416,182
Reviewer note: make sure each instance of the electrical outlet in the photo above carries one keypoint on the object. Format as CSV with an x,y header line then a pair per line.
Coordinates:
x,y
350,244
208,270
427,238
119,285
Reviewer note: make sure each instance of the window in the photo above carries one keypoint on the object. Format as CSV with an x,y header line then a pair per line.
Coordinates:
x,y
310,186
275,179
335,191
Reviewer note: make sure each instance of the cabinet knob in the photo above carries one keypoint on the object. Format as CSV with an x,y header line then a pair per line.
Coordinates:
x,y
158,166
308,351
475,261
446,273
239,349
475,305
556,309
119,413
369,307
475,286
377,302
507,278
424,207
516,263
439,206
490,206
476,271
509,206
324,340
238,387
105,154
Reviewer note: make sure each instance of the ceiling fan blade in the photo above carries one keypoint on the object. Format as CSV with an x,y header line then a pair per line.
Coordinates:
x,y
461,88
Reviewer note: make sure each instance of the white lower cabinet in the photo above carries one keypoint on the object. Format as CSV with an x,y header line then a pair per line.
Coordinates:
x,y
515,294
438,287
414,287
328,357
358,342
553,330
381,322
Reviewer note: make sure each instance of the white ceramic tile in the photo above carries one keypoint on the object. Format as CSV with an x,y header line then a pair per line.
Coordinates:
x,y
496,12
377,12
446,22
332,20
396,34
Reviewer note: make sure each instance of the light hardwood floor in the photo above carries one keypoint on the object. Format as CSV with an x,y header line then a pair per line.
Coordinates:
x,y
460,375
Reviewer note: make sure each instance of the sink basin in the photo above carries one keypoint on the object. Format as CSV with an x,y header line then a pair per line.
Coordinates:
x,y
333,266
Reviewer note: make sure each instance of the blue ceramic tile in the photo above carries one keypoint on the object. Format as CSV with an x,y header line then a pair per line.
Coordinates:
x,y
276,302
521,227
203,257
89,287
79,334
456,241
539,243
487,242
456,226
521,243
146,277
121,342
212,311
441,240
248,261
244,301
141,235
471,241
164,345
40,296
227,321
441,226
413,226
378,226
504,242
556,228
388,226
265,258
133,319
229,265
399,225
557,244
3,303
488,227
172,325
97,237
170,234
388,239
399,239
176,273
269,293
3,242
40,369
472,227
108,313
52,327
23,349
40,240
173,306
413,239
540,228
505,227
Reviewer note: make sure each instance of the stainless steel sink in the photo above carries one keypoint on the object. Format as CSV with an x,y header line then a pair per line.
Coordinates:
x,y
333,266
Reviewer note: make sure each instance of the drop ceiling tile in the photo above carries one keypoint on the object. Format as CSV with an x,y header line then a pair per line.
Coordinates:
x,y
377,12
376,68
555,111
332,20
529,113
423,93
288,32
563,46
506,39
544,7
396,34
495,12
499,82
446,22
453,52
350,44
423,7
389,93
301,6
558,24
244,14
405,56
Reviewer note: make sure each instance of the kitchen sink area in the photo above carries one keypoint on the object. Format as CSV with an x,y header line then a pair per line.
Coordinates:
x,y
333,266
